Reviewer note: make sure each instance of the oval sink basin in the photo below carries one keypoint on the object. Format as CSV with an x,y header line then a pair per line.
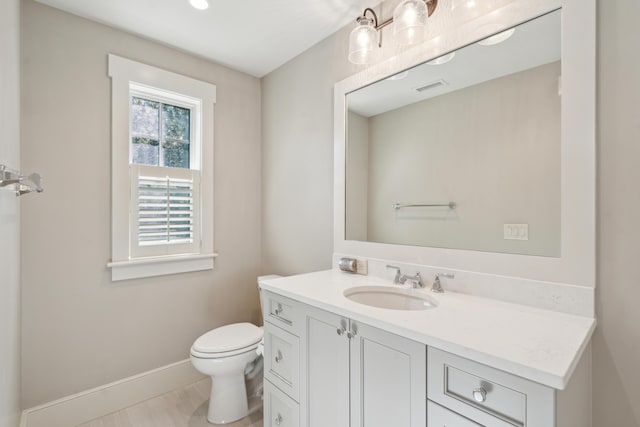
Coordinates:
x,y
390,297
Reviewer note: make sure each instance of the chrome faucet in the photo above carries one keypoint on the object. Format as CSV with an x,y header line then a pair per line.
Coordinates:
x,y
417,280
398,279
437,286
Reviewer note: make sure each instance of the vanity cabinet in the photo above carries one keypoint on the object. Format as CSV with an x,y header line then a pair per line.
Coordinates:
x,y
349,373
324,369
359,375
488,396
282,371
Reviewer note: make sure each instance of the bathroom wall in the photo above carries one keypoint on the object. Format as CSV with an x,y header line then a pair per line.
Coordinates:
x,y
9,215
297,142
357,172
616,344
447,149
80,330
297,160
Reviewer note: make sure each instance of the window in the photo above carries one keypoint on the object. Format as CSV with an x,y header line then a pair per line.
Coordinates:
x,y
162,177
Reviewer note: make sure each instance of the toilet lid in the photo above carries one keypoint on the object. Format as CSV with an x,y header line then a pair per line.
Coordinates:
x,y
228,338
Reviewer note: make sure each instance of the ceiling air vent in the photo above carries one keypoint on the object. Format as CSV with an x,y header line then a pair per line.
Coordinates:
x,y
432,85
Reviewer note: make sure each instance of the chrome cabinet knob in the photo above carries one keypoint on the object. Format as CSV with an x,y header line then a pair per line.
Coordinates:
x,y
343,327
353,332
278,357
480,395
278,420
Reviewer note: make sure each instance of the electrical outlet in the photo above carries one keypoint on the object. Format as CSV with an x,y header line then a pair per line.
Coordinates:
x,y
363,267
516,231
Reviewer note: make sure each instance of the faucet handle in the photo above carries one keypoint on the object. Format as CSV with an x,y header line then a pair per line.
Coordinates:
x,y
396,279
437,286
419,282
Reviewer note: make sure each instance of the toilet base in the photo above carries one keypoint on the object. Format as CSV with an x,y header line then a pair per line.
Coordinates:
x,y
228,401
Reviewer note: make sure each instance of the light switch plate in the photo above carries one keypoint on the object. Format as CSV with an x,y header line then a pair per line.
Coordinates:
x,y
516,231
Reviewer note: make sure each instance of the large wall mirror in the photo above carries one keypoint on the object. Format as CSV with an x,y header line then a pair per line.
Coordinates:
x,y
462,151
501,135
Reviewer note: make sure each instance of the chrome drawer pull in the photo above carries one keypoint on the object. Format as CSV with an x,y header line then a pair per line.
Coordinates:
x,y
278,311
278,420
480,395
278,358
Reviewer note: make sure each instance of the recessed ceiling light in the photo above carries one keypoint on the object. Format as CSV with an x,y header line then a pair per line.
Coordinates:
x,y
399,76
498,38
442,59
199,4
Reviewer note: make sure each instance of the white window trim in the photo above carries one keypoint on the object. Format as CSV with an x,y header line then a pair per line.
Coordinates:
x,y
123,72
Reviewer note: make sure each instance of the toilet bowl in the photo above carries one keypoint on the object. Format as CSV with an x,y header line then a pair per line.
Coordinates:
x,y
226,354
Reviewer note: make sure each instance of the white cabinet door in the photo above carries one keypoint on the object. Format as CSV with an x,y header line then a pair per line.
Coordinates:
x,y
326,361
388,379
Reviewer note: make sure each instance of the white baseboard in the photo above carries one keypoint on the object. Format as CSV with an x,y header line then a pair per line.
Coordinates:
x,y
97,402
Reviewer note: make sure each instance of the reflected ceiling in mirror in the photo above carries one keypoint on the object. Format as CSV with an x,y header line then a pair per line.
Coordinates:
x,y
476,133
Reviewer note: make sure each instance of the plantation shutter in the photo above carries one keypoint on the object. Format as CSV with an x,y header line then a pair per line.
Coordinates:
x,y
165,211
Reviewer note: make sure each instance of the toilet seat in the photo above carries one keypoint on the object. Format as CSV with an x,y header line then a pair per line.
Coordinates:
x,y
226,341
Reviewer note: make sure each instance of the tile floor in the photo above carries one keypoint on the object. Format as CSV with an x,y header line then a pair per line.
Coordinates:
x,y
186,407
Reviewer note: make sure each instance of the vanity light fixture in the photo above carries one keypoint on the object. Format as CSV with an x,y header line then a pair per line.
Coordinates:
x,y
497,38
199,4
409,19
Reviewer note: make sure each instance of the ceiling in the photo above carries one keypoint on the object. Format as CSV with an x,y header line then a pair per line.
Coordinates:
x,y
253,36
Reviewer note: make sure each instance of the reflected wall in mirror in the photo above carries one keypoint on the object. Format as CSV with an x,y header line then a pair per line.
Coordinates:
x,y
480,128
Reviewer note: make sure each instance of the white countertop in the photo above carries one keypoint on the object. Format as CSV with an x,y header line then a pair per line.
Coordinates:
x,y
540,345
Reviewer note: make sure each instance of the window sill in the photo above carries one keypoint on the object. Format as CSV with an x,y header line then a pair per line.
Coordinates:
x,y
160,266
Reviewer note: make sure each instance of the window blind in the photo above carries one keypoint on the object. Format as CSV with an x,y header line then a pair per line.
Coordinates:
x,y
165,210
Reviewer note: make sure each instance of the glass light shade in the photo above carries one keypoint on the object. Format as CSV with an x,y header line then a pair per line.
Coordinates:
x,y
410,21
362,41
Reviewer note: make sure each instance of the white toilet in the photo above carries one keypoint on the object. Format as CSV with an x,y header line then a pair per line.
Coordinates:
x,y
225,354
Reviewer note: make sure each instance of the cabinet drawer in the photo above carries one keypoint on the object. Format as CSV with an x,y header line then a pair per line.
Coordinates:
x,y
279,409
282,312
487,395
281,359
437,416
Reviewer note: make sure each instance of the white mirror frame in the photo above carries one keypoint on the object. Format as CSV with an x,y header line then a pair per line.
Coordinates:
x,y
576,265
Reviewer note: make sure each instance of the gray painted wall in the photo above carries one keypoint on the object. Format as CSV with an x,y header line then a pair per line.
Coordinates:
x,y
616,345
93,331
9,215
297,158
459,147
